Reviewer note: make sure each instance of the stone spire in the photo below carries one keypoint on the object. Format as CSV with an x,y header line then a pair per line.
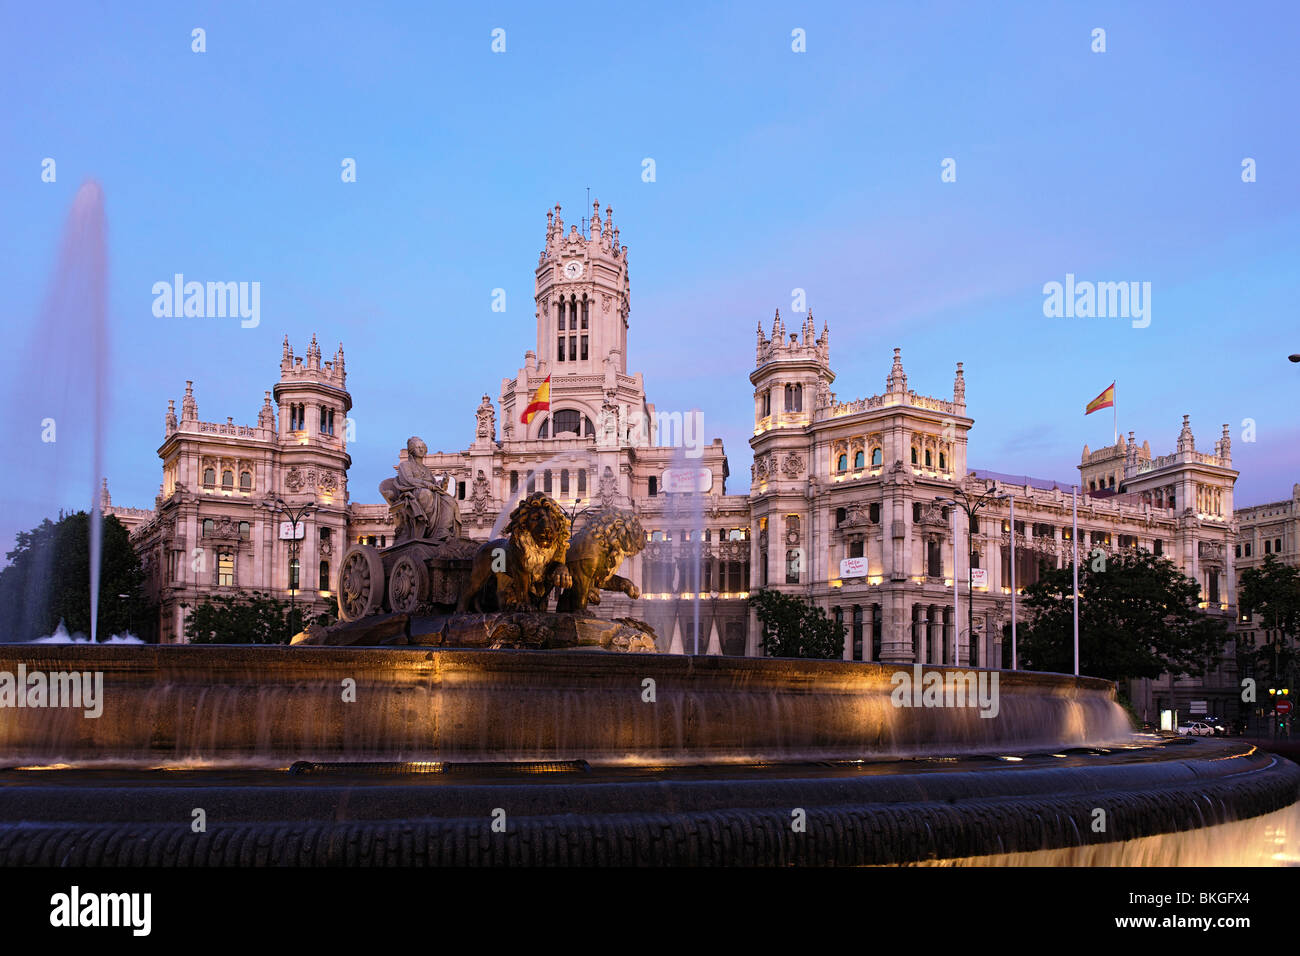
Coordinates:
x,y
1185,440
824,341
313,353
266,417
959,387
595,220
897,381
1225,447
189,407
286,357
170,421
105,501
778,329
339,369
1131,456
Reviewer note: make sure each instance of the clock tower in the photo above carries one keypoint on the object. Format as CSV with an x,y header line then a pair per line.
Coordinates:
x,y
582,296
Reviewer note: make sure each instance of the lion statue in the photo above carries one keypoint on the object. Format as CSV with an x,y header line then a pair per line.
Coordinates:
x,y
517,572
597,549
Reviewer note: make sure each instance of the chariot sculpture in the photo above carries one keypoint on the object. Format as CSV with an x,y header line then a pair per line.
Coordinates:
x,y
430,569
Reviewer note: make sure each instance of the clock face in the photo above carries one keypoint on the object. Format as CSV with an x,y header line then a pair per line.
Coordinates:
x,y
573,270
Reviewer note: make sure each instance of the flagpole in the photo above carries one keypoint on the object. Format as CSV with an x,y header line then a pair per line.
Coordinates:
x,y
1114,411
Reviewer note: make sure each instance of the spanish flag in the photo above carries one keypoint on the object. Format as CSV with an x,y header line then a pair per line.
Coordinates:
x,y
541,402
1105,400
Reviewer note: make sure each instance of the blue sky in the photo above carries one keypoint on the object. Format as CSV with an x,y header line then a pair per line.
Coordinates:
x,y
775,170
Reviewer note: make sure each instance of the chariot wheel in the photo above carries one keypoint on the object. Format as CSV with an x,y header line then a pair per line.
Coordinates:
x,y
361,583
408,584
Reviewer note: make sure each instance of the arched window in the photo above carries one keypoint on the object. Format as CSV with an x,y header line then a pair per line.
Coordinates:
x,y
859,460
514,482
567,420
209,526
588,430
564,481
584,311
293,574
943,462
546,481
228,479
914,459
244,530
245,481
209,476
324,575
928,461
842,463
875,456
545,430
561,325
582,481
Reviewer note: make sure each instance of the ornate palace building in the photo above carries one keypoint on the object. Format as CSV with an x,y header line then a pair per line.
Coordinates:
x,y
842,508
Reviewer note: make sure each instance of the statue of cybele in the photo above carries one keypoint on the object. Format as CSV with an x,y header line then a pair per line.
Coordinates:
x,y
421,507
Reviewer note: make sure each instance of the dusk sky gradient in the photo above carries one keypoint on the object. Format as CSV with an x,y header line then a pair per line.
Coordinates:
x,y
775,170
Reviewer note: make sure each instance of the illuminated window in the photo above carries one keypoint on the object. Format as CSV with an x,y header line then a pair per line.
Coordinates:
x,y
842,463
226,569
293,574
859,460
875,456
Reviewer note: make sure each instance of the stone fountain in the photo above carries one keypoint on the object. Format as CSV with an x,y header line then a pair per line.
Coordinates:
x,y
456,716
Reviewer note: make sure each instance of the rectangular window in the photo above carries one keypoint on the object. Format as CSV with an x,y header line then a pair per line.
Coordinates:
x,y
584,348
293,575
1159,547
1268,546
855,549
559,350
1214,587
573,348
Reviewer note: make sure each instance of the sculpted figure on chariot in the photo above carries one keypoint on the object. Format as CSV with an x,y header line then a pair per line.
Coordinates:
x,y
422,508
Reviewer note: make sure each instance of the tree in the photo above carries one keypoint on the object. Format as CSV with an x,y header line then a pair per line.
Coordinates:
x,y
252,618
1271,592
1138,617
48,580
792,627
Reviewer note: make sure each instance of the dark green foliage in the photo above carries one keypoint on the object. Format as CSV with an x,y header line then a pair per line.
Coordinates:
x,y
250,618
794,628
1271,593
1138,617
48,580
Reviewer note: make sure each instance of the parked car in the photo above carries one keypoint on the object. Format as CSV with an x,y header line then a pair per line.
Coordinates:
x,y
1196,728
1219,726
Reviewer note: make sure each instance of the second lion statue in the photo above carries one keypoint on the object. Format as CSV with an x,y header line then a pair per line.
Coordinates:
x,y
597,549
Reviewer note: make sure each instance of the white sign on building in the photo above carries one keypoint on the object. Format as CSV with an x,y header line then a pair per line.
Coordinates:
x,y
686,480
853,568
286,530
979,577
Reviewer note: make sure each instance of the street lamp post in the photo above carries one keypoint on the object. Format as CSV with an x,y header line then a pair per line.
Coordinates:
x,y
295,516
971,506
1074,544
